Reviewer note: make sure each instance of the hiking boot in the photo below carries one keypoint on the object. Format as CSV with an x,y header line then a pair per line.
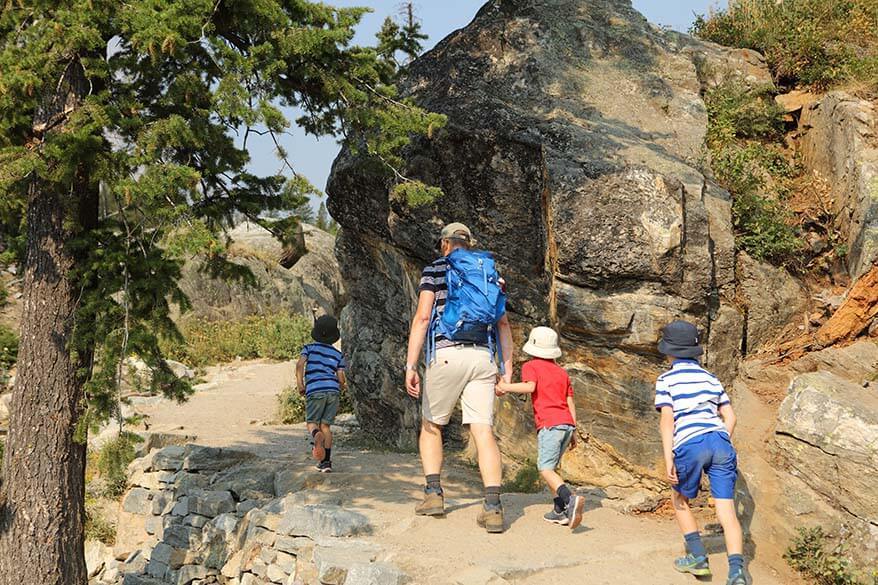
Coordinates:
x,y
737,578
556,517
574,511
491,519
693,565
318,451
433,505
324,467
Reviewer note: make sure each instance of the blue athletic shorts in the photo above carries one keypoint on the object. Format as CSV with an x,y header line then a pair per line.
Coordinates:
x,y
551,444
713,454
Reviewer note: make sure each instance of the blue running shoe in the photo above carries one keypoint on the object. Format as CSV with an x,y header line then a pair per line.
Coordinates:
x,y
693,565
737,578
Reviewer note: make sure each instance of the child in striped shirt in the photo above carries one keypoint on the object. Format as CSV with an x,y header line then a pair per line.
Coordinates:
x,y
320,376
697,421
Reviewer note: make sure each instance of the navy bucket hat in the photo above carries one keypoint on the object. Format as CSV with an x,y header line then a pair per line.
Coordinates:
x,y
325,330
680,339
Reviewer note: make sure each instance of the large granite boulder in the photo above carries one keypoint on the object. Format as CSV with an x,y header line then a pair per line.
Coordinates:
x,y
838,143
312,281
572,150
826,436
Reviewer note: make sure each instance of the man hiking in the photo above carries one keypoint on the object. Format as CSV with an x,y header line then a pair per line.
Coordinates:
x,y
461,315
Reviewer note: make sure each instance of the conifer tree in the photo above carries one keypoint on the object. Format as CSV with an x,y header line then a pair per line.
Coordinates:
x,y
322,217
123,150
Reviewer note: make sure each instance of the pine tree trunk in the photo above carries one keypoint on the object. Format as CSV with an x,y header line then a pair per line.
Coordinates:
x,y
42,498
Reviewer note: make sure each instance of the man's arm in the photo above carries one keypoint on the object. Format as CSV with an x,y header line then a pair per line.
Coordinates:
x,y
729,418
504,331
667,429
572,406
300,374
417,333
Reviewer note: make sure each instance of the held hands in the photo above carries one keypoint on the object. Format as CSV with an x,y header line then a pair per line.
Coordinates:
x,y
499,387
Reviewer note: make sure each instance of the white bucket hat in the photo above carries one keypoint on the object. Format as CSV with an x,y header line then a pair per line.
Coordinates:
x,y
542,343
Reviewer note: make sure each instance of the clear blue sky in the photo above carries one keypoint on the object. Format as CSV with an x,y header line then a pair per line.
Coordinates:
x,y
313,158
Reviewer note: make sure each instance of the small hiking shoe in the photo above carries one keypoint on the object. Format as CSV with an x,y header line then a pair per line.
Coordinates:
x,y
556,517
318,451
737,578
491,519
433,505
693,565
574,511
324,467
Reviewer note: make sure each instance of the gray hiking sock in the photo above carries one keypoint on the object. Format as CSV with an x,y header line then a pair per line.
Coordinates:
x,y
492,495
434,484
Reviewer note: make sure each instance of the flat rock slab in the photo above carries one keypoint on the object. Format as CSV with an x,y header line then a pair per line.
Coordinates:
x,y
320,520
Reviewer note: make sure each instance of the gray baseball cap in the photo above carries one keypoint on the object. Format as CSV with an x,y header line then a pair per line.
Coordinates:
x,y
456,231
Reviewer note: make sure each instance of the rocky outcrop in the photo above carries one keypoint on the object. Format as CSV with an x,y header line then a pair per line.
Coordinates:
x,y
312,281
572,147
839,143
772,299
201,515
826,435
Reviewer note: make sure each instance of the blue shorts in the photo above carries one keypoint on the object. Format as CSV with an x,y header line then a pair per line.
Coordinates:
x,y
551,444
713,454
321,407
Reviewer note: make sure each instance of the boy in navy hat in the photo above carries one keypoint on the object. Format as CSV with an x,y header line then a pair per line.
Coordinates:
x,y
321,378
697,422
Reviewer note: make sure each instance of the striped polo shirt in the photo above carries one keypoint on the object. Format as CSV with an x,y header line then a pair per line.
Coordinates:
x,y
321,367
695,395
433,280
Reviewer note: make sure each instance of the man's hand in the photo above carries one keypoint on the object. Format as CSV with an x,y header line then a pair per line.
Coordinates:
x,y
498,388
672,472
412,383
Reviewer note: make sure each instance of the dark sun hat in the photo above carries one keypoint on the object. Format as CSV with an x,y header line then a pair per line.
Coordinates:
x,y
680,339
325,330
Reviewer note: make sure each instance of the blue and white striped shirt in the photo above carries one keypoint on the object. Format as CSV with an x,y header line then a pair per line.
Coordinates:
x,y
695,395
321,368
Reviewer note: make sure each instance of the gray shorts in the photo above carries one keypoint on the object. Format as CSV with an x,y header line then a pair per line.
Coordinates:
x,y
551,444
321,407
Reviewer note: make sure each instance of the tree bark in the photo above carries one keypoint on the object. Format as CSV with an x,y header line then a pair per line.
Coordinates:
x,y
42,509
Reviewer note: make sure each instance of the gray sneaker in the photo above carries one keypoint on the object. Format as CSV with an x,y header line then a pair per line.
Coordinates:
x,y
737,579
574,511
556,517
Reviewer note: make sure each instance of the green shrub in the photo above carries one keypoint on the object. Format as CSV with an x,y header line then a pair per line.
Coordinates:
x,y
291,406
812,555
210,342
526,481
97,526
112,461
813,42
744,131
8,347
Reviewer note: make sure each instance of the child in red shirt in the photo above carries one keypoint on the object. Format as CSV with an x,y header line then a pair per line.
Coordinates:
x,y
554,417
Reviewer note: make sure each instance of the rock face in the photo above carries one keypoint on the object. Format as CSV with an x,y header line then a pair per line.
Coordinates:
x,y
839,143
572,152
826,435
314,279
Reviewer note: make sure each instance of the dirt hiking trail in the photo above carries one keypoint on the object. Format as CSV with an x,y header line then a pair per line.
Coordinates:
x,y
233,408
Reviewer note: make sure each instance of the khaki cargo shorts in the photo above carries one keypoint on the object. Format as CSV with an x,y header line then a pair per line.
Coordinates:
x,y
465,373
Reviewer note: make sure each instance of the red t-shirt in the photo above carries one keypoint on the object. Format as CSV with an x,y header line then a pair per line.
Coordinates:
x,y
550,397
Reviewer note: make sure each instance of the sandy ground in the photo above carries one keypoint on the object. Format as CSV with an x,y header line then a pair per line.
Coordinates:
x,y
610,547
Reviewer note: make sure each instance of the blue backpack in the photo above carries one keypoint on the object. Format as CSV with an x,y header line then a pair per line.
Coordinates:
x,y
474,304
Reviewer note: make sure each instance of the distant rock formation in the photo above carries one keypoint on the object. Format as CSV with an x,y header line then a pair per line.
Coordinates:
x,y
313,280
573,149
